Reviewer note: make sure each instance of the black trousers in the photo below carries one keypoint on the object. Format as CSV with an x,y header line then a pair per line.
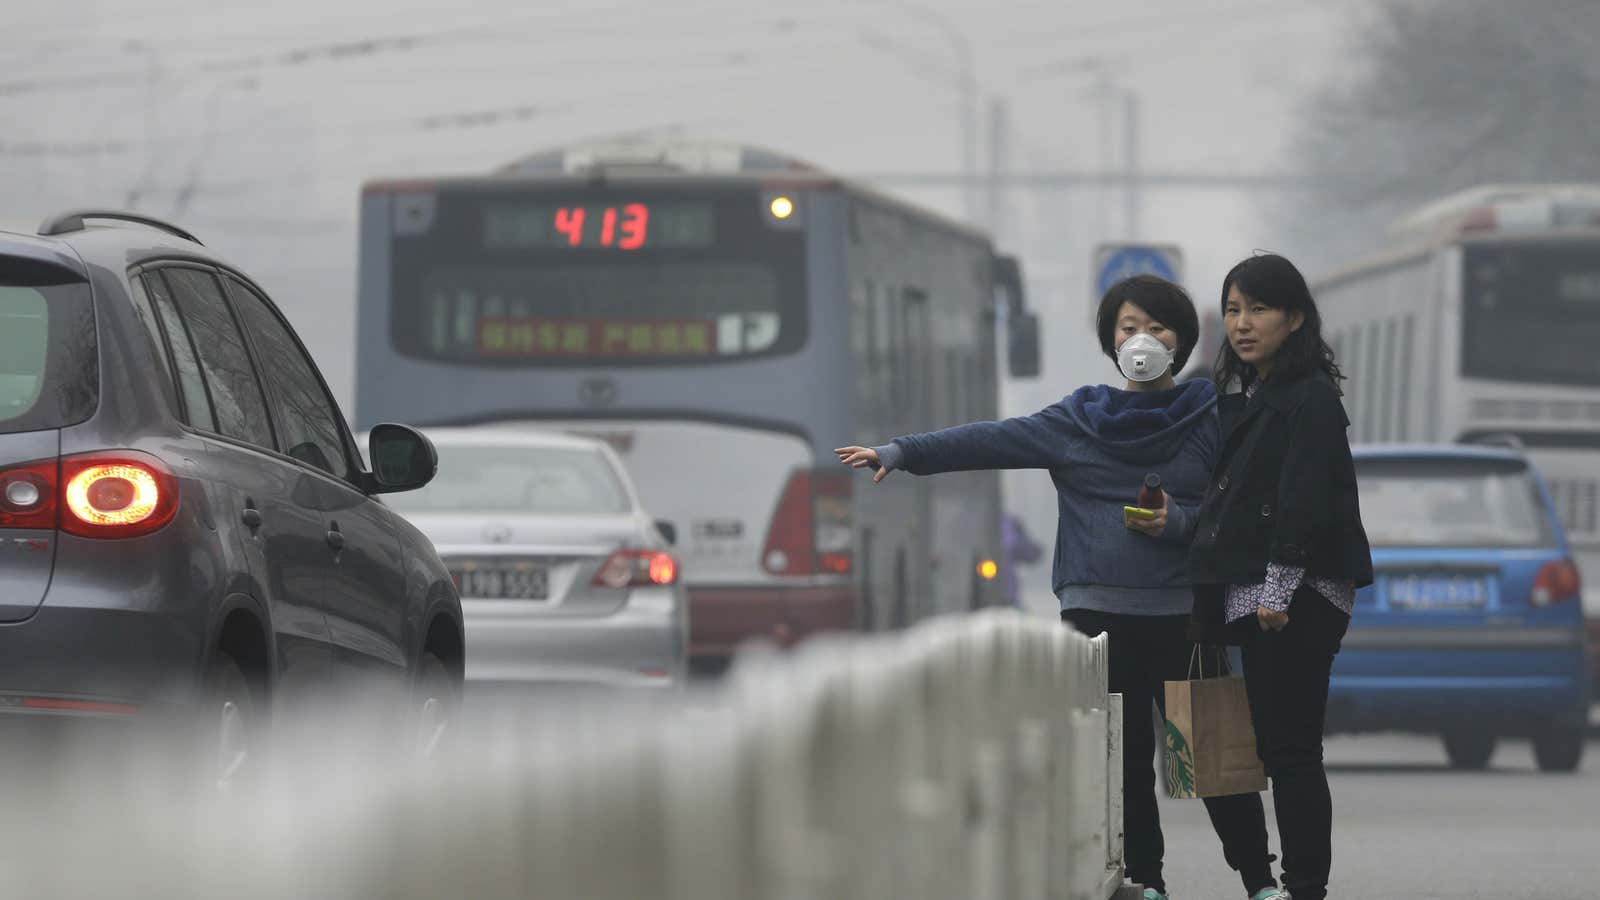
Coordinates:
x,y
1145,652
1286,674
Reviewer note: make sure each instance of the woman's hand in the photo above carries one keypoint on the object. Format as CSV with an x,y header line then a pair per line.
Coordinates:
x,y
1153,527
863,458
1271,619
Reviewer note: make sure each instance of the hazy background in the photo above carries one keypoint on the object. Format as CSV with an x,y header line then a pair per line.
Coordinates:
x,y
255,124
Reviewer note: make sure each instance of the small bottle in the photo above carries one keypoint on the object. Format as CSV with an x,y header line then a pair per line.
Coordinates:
x,y
1150,494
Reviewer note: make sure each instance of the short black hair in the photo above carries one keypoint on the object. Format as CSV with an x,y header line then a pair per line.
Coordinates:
x,y
1161,300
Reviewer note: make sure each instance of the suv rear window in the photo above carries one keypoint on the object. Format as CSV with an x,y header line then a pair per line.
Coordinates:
x,y
1444,502
49,367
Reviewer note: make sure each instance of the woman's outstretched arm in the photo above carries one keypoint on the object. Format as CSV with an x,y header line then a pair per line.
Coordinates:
x,y
1044,440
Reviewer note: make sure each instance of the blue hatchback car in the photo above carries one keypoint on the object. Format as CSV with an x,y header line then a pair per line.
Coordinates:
x,y
1473,628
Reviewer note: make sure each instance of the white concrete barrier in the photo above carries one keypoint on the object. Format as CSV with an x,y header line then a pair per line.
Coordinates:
x,y
971,758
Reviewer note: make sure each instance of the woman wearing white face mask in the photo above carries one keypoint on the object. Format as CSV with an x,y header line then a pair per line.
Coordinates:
x,y
1124,578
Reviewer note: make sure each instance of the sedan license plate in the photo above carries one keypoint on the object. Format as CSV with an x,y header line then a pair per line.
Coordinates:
x,y
1438,592
505,583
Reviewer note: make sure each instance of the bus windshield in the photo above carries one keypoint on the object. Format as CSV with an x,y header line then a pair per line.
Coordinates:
x,y
1531,312
524,277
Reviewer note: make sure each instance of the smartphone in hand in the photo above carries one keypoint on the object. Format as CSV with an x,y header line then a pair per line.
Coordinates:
x,y
1131,514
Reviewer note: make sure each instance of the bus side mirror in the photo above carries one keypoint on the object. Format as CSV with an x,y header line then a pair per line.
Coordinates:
x,y
1022,327
1022,345
1007,273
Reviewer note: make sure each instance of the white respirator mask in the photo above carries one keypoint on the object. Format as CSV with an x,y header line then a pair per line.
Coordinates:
x,y
1143,358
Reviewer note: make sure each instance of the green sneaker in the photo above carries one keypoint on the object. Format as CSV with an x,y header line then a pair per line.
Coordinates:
x,y
1153,894
1272,893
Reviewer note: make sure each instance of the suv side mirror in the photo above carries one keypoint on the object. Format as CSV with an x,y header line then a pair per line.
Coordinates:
x,y
669,531
403,459
1022,345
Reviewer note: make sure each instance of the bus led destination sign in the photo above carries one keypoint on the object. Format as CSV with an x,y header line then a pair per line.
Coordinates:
x,y
599,226
525,337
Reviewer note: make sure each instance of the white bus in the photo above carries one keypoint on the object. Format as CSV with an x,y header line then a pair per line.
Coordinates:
x,y
1483,323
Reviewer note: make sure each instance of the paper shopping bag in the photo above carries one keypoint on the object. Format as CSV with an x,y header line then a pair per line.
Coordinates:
x,y
1211,746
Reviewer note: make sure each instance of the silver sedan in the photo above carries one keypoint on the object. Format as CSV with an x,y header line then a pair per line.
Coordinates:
x,y
562,576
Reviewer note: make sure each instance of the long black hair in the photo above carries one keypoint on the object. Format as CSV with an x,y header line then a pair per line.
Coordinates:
x,y
1274,281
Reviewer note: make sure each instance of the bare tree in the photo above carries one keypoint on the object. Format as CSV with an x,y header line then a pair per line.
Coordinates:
x,y
1441,95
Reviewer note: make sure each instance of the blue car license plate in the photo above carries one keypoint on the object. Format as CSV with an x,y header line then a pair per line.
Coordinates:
x,y
1438,592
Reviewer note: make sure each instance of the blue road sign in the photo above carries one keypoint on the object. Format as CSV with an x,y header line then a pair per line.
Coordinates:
x,y
1114,262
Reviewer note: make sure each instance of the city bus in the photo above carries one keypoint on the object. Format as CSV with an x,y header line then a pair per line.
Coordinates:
x,y
1482,324
724,317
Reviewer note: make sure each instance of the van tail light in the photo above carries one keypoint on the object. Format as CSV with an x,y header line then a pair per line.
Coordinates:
x,y
1557,581
830,509
637,568
811,531
120,494
28,495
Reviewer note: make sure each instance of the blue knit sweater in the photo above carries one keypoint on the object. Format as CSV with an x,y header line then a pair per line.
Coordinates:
x,y
1098,444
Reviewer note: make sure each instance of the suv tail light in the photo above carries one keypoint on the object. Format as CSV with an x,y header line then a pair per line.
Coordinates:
x,y
115,494
637,568
1556,581
812,530
121,494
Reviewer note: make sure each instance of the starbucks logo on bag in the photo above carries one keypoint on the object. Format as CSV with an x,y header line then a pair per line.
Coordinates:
x,y
1180,763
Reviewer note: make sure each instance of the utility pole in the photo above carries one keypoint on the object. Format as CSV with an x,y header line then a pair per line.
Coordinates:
x,y
152,79
966,65
999,164
969,113
1130,162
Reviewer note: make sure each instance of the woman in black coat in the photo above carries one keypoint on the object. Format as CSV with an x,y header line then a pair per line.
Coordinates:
x,y
1279,548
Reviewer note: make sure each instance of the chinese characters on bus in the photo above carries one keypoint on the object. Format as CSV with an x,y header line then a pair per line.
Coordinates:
x,y
498,336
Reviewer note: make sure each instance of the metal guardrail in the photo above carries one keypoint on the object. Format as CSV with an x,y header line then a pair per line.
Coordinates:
x,y
972,758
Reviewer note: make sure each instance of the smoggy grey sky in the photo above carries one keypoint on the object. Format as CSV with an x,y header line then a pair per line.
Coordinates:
x,y
256,123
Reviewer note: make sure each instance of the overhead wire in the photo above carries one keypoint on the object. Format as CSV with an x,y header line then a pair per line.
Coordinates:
x,y
482,157
538,29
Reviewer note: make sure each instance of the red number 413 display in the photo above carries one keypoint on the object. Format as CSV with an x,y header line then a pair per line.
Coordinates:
x,y
625,228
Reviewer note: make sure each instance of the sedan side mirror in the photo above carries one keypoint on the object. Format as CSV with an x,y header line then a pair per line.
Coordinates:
x,y
403,459
668,531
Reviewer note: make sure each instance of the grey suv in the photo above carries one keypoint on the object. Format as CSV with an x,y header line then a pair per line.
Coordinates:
x,y
186,525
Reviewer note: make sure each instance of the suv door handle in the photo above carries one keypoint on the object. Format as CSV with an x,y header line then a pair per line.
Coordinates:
x,y
251,516
335,538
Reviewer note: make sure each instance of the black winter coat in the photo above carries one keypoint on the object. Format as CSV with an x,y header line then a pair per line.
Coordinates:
x,y
1283,491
